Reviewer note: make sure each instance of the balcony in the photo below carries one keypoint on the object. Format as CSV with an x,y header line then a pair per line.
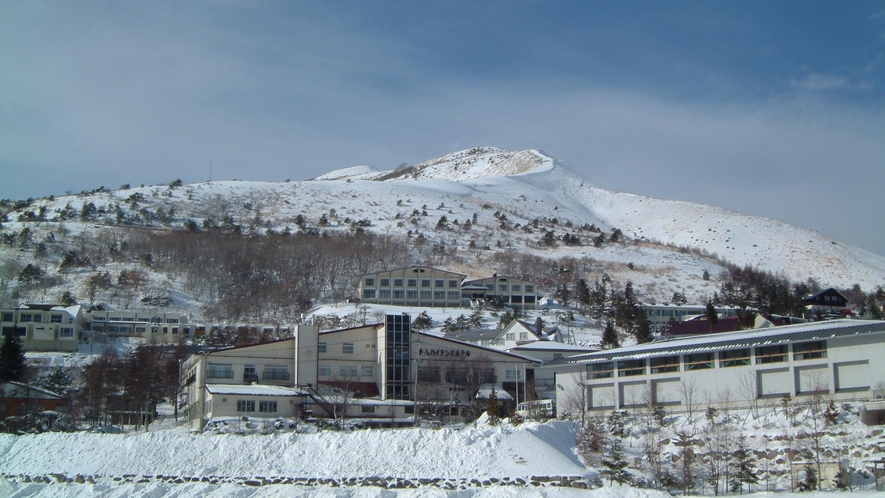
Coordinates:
x,y
250,376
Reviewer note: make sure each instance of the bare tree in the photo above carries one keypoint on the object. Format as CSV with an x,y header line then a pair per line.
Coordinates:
x,y
575,400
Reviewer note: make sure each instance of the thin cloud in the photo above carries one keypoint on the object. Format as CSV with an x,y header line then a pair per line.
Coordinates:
x,y
816,82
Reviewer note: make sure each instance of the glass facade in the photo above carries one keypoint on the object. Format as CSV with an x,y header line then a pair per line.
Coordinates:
x,y
398,345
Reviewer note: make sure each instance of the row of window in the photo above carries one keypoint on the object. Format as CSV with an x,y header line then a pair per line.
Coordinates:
x,y
511,288
250,373
412,294
248,405
347,371
412,282
136,320
700,361
439,284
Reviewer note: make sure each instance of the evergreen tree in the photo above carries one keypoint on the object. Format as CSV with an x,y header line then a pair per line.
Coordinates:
x,y
831,414
58,381
610,336
492,407
810,481
746,468
842,480
614,465
12,357
712,316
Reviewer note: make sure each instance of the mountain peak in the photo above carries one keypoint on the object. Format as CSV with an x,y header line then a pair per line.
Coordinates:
x,y
481,162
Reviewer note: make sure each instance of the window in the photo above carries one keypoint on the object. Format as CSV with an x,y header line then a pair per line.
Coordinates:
x,y
6,317
347,370
663,365
267,406
398,293
510,336
172,320
734,358
413,282
514,374
502,287
397,282
249,373
368,371
484,375
523,336
321,347
628,368
367,409
55,318
698,361
66,332
26,318
324,370
385,282
347,348
426,294
219,371
425,283
412,294
454,295
368,293
516,287
428,374
771,354
38,318
491,287
439,284
456,376
453,284
810,350
370,282
275,372
440,295
529,288
245,405
384,293
601,370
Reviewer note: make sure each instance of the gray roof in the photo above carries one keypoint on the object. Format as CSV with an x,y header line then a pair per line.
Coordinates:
x,y
732,340
472,334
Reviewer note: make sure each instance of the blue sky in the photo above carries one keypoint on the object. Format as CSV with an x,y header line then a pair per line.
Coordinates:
x,y
768,108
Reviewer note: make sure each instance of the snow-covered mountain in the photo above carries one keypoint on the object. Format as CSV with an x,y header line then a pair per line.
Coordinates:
x,y
513,179
484,200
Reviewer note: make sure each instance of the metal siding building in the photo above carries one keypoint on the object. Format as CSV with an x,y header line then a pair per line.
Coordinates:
x,y
840,358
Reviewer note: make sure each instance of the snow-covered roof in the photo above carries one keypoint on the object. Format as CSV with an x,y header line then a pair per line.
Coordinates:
x,y
552,346
485,391
730,340
254,390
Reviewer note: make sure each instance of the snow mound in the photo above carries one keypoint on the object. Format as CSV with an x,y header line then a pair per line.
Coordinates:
x,y
352,173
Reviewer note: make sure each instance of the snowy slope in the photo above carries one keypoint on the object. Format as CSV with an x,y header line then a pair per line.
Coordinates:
x,y
526,187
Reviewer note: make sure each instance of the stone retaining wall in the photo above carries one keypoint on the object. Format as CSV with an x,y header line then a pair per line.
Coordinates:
x,y
334,482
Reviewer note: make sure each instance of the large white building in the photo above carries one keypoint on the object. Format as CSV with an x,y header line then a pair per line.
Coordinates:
x,y
45,327
841,358
385,370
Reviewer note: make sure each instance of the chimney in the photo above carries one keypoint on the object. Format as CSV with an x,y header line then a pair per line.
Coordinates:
x,y
539,325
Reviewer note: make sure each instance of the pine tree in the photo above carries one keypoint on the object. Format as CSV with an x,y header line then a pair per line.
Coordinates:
x,y
746,468
831,414
58,380
842,480
810,481
492,407
610,336
615,467
12,358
